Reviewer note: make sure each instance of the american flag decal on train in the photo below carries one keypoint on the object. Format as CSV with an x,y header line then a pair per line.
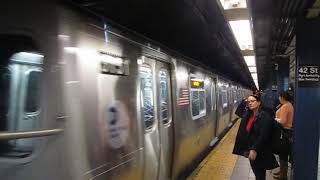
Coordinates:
x,y
183,97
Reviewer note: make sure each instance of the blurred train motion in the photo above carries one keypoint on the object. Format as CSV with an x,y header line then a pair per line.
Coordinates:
x,y
82,100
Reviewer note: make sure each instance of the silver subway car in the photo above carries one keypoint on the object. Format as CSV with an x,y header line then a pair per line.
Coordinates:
x,y
81,100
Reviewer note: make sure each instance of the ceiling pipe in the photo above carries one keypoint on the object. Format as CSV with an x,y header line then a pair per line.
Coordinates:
x,y
287,24
297,10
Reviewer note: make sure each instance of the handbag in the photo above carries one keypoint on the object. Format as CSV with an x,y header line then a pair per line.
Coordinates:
x,y
281,139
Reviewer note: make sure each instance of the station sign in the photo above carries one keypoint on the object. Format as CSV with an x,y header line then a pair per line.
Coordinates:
x,y
309,76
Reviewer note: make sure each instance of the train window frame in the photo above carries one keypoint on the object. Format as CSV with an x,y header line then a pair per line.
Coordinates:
x,y
167,120
145,66
202,112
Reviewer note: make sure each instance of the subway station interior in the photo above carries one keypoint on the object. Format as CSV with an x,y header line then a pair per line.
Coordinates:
x,y
160,90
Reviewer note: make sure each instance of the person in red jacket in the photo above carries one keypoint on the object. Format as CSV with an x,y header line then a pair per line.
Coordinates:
x,y
254,137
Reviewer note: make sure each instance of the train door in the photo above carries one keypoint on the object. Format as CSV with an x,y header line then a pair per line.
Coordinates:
x,y
165,119
24,108
157,117
26,151
22,75
222,107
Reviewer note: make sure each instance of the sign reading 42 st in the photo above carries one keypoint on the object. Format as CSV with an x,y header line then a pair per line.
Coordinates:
x,y
308,76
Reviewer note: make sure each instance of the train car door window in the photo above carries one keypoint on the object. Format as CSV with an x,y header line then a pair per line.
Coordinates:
x,y
164,104
224,96
20,100
33,90
147,100
198,101
235,97
213,96
229,89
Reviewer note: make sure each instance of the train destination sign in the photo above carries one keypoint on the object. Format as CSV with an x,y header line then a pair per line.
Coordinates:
x,y
196,83
309,76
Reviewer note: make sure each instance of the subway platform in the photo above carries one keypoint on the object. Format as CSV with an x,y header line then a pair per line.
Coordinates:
x,y
221,164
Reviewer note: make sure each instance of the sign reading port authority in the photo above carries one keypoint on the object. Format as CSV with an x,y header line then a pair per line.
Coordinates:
x,y
308,76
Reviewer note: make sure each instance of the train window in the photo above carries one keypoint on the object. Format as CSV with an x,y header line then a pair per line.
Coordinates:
x,y
164,103
235,97
19,89
147,95
213,97
198,98
202,100
224,98
33,91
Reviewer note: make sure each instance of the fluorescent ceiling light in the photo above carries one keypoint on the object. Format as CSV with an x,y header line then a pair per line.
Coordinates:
x,y
250,60
252,69
242,31
254,75
232,4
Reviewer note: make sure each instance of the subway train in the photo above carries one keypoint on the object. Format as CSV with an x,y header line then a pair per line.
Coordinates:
x,y
82,99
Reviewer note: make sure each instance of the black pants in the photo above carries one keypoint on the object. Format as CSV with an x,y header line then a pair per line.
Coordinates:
x,y
259,172
284,156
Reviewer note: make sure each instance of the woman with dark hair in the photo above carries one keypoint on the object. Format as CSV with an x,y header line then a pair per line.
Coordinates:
x,y
254,137
284,116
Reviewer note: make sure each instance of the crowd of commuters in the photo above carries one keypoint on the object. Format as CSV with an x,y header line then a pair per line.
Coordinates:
x,y
255,138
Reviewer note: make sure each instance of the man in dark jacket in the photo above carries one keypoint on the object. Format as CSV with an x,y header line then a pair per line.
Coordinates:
x,y
254,137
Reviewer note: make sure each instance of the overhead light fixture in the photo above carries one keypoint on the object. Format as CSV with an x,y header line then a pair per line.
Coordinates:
x,y
232,4
250,60
252,69
242,31
254,76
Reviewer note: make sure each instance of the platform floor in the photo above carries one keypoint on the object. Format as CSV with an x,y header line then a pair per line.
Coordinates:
x,y
221,164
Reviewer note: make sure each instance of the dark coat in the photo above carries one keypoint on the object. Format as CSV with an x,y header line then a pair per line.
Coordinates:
x,y
258,139
241,109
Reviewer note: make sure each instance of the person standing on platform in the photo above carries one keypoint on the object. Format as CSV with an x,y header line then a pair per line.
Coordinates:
x,y
254,137
284,116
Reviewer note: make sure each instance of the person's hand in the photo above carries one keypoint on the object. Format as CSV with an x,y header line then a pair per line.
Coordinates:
x,y
252,155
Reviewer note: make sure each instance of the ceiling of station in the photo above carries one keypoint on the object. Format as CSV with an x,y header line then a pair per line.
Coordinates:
x,y
274,25
198,29
194,28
